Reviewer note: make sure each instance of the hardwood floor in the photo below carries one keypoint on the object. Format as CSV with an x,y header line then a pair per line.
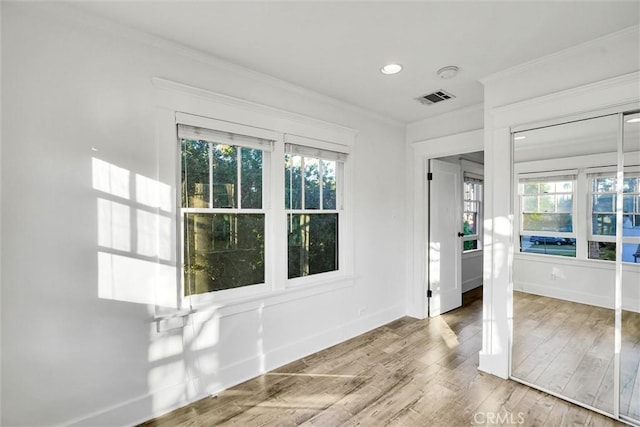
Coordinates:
x,y
407,373
568,348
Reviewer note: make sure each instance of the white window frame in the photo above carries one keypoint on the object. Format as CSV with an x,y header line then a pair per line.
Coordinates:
x,y
213,131
296,145
477,236
180,103
549,176
592,174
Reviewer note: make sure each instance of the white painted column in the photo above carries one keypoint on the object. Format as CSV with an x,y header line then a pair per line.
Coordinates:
x,y
498,229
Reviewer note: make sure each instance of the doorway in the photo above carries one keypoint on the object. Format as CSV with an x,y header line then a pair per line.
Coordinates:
x,y
455,193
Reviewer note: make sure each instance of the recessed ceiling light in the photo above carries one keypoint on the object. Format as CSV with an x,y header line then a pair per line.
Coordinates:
x,y
448,72
391,69
518,138
634,120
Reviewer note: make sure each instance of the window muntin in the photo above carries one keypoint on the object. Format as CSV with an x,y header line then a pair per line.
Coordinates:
x,y
222,213
312,191
547,215
603,205
472,213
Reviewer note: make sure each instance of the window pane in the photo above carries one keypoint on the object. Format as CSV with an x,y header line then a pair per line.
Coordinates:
x,y
604,203
222,251
547,187
602,250
293,182
470,223
195,174
547,203
630,226
313,244
530,188
470,245
251,178
560,222
311,183
565,203
604,185
225,176
564,187
548,245
631,252
604,224
328,184
530,204
629,203
631,185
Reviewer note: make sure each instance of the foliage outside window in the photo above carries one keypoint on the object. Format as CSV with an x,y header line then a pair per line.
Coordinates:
x,y
546,215
603,205
223,216
472,213
312,203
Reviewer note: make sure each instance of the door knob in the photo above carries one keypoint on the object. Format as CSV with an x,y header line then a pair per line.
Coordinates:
x,y
460,234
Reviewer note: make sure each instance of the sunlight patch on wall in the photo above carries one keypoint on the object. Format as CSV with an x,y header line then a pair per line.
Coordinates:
x,y
124,278
166,348
152,193
110,179
152,229
135,237
114,225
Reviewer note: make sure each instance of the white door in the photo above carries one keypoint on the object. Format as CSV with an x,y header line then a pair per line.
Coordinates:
x,y
445,245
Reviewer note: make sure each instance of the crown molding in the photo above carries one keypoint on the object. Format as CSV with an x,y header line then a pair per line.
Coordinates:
x,y
631,32
479,107
72,12
617,93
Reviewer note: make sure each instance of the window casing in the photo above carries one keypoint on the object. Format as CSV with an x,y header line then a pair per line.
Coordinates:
x,y
222,209
314,209
547,214
241,235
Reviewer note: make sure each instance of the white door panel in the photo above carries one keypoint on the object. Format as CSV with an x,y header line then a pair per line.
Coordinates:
x,y
445,246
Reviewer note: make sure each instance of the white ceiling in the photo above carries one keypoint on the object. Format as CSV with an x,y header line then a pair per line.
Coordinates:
x,y
337,48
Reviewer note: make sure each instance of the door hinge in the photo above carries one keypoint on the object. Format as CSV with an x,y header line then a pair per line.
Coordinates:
x,y
429,293
430,176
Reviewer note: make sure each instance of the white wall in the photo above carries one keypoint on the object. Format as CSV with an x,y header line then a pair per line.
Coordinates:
x,y
471,270
76,88
588,77
584,281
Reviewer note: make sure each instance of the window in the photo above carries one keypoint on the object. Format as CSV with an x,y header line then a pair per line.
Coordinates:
x,y
472,214
603,206
222,209
313,203
547,215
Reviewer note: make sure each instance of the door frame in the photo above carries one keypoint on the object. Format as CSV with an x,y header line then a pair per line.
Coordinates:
x,y
421,152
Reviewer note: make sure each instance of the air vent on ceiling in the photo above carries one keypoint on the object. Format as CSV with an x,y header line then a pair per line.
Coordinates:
x,y
432,98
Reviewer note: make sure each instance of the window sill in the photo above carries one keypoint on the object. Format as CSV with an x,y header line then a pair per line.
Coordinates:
x,y
206,311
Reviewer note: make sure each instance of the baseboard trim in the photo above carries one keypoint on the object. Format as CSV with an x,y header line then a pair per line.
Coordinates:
x,y
157,403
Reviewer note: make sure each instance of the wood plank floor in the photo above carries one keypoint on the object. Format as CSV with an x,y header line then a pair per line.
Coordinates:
x,y
407,373
568,348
